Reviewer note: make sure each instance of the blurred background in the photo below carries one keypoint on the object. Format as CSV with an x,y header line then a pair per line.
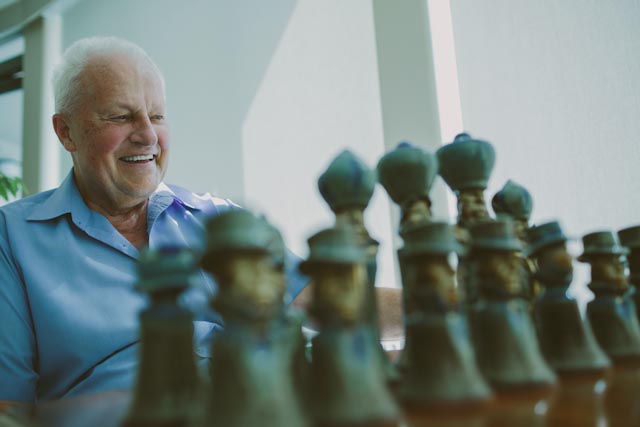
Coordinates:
x,y
262,94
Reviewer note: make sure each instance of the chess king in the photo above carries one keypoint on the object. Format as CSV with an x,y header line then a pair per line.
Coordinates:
x,y
347,381
253,363
612,313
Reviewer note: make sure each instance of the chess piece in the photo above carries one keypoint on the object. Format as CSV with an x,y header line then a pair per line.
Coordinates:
x,y
407,174
252,378
466,165
440,373
347,383
566,340
515,202
572,347
347,186
630,239
503,335
611,313
288,321
167,386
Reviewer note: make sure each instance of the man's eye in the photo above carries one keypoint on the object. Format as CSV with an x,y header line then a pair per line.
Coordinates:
x,y
121,117
157,117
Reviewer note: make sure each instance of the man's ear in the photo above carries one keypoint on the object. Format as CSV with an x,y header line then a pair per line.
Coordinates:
x,y
62,129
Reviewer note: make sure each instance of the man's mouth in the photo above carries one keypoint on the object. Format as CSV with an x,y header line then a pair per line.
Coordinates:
x,y
138,159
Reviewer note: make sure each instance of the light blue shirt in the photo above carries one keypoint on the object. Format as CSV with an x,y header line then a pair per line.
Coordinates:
x,y
68,308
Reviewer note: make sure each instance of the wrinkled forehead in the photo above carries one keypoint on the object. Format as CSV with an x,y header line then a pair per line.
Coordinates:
x,y
109,73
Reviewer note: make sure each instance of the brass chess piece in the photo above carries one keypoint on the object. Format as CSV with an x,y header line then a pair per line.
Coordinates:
x,y
566,340
630,239
440,382
253,378
347,382
611,313
407,173
167,388
503,334
514,201
466,165
613,318
347,186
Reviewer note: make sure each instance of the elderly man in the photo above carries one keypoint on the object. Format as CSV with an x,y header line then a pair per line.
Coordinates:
x,y
68,309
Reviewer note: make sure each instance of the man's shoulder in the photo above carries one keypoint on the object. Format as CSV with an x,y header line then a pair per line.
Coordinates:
x,y
22,208
205,202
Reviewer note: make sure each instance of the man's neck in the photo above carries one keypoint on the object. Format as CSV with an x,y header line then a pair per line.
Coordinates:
x,y
130,222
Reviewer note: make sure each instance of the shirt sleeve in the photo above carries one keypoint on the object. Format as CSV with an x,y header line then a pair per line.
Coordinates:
x,y
18,376
295,279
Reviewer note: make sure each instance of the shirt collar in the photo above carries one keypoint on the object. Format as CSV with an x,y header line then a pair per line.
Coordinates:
x,y
66,199
59,203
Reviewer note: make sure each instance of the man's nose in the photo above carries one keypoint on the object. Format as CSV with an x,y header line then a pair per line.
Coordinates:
x,y
144,132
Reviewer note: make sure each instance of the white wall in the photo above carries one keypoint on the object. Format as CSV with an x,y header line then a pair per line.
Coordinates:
x,y
319,95
554,86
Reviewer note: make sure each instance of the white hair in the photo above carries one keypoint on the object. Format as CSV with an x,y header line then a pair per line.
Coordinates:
x,y
66,76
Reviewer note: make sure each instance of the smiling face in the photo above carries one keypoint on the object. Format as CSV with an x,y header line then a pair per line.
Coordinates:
x,y
116,133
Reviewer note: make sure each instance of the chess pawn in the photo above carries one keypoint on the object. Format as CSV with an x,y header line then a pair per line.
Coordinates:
x,y
466,165
613,318
630,239
347,382
612,312
503,335
347,186
252,380
515,202
407,174
167,386
441,371
288,321
566,340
